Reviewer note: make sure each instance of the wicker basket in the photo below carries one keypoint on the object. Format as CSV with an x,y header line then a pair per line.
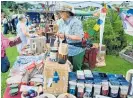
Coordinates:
x,y
46,94
62,70
63,96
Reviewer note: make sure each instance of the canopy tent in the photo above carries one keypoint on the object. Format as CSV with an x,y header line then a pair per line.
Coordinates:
x,y
99,4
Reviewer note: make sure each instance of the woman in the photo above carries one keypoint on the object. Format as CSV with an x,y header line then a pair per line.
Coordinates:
x,y
22,32
71,27
5,23
5,43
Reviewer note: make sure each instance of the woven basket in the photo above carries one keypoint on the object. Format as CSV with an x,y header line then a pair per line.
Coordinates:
x,y
47,95
63,95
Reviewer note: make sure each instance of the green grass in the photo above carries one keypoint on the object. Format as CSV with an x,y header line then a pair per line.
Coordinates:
x,y
113,65
129,38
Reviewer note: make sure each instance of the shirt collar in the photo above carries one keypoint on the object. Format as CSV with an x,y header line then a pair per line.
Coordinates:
x,y
68,20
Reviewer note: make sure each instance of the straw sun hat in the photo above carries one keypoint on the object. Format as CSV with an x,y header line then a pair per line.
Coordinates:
x,y
65,8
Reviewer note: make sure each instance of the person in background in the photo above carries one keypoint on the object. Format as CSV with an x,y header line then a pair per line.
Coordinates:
x,y
13,23
5,24
22,32
10,24
5,43
57,18
29,22
71,29
16,21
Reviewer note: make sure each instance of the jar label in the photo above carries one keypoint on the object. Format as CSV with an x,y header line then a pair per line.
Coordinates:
x,y
53,55
63,49
124,89
80,89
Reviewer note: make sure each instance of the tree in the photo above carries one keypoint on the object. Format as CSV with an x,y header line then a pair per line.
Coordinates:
x,y
114,37
11,7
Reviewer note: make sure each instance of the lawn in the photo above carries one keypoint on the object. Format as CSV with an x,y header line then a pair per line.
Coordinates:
x,y
114,64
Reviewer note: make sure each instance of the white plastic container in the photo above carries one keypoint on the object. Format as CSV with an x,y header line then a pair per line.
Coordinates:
x,y
80,74
124,90
114,89
97,89
80,90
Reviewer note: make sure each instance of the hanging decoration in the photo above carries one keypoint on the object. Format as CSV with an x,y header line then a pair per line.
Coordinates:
x,y
96,27
99,22
109,6
91,32
86,35
96,14
130,11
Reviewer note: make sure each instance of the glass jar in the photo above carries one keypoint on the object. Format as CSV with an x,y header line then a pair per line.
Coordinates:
x,y
63,52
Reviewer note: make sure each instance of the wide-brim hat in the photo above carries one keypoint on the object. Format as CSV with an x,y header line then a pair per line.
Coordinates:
x,y
65,8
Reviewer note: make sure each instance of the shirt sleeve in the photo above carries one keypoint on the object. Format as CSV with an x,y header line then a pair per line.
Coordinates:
x,y
5,42
77,29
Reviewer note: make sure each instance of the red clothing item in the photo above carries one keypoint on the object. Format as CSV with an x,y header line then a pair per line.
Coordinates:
x,y
4,44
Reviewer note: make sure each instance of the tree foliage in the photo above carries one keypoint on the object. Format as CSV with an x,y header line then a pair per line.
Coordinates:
x,y
114,37
11,7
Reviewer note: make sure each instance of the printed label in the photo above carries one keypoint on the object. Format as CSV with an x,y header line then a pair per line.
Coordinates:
x,y
80,89
53,55
124,89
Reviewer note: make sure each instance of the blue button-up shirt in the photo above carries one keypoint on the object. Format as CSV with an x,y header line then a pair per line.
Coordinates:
x,y
72,26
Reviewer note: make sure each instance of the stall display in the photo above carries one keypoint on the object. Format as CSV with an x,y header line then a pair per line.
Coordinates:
x,y
37,44
114,88
72,83
13,89
88,89
14,79
124,89
131,86
97,87
80,89
105,87
63,52
88,74
80,75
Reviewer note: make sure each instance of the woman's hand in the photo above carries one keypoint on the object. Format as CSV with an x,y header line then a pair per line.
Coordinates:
x,y
60,35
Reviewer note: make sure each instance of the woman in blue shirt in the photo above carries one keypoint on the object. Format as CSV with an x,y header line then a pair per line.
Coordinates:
x,y
72,28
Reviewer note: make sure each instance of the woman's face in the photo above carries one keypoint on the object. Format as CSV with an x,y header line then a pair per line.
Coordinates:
x,y
24,19
2,16
64,15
